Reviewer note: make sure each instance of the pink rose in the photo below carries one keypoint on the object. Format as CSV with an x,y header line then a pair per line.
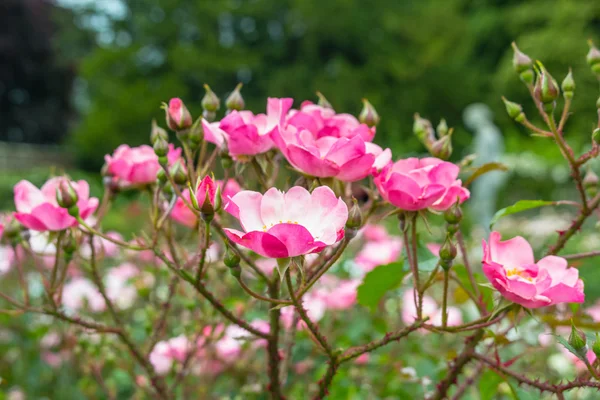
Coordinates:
x,y
38,209
247,134
375,253
1,230
166,353
178,116
137,165
280,225
415,184
7,257
512,270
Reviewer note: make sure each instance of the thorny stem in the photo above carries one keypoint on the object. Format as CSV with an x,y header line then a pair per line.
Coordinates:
x,y
579,256
273,345
321,271
261,297
445,300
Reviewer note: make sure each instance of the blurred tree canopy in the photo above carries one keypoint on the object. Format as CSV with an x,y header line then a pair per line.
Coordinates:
x,y
430,57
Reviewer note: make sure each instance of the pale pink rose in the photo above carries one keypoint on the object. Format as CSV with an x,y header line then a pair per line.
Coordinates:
x,y
247,134
266,265
594,311
119,286
37,209
379,253
79,292
579,365
347,159
315,308
430,309
415,184
374,233
512,270
137,165
178,116
7,257
169,352
337,294
229,346
279,225
102,247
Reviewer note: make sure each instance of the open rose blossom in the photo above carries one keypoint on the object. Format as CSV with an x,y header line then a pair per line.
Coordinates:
x,y
414,184
38,210
248,134
279,225
137,165
512,270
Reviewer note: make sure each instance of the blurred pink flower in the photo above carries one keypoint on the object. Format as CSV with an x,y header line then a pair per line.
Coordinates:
x,y
7,257
512,270
79,292
102,246
337,294
166,353
119,286
248,134
414,184
315,308
430,309
363,359
379,252
279,225
37,209
137,165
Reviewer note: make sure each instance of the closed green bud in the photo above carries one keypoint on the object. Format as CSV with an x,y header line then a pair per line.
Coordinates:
x,y
69,244
578,340
323,102
354,216
568,85
454,214
157,132
178,174
596,136
423,130
236,272
452,228
161,176
368,115
596,346
231,258
442,148
66,196
593,56
448,250
161,147
210,101
514,110
235,101
521,61
163,161
546,89
442,128
527,76
210,116
196,134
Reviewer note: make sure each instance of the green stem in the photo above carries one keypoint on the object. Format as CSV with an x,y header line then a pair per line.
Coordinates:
x,y
110,239
203,251
274,360
445,300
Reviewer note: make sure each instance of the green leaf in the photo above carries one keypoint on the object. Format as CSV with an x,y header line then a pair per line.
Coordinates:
x,y
379,281
488,385
521,205
572,350
427,260
485,168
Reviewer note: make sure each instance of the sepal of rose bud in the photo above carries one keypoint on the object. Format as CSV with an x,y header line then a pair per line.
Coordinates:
x,y
66,196
578,340
568,85
596,346
596,136
323,102
193,198
423,130
207,209
448,250
442,128
236,272
235,101
210,101
454,214
178,174
218,200
177,115
69,244
521,61
157,132
231,258
593,56
442,148
161,147
196,134
514,110
368,115
546,89
354,216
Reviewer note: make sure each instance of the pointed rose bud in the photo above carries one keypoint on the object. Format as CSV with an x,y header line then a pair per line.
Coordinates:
x,y
596,346
368,115
578,340
177,115
442,148
66,196
323,102
196,134
590,179
354,216
454,214
161,147
568,85
231,258
447,253
593,56
423,130
210,101
161,177
178,174
514,110
235,101
442,128
157,132
207,210
69,244
521,61
210,116
546,88
596,136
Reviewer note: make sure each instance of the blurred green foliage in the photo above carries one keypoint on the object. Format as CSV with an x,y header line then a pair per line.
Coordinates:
x,y
429,57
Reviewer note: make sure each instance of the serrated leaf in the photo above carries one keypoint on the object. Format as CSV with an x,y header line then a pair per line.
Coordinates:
x,y
485,168
572,350
488,385
379,281
521,205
